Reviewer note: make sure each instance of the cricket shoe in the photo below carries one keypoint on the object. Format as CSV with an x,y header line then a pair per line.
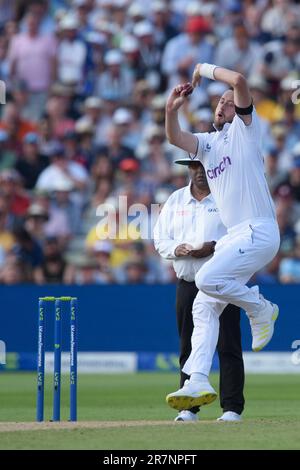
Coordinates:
x,y
191,394
230,416
262,325
186,415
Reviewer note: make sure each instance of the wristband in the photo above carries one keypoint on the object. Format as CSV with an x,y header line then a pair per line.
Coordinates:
x,y
207,70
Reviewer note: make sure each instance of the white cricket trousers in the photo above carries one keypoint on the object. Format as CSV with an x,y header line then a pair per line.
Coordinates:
x,y
244,250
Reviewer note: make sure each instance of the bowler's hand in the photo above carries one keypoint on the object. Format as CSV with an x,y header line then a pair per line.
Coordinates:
x,y
183,250
178,96
207,250
196,79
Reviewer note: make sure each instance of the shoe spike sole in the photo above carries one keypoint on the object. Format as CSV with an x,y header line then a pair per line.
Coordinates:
x,y
186,403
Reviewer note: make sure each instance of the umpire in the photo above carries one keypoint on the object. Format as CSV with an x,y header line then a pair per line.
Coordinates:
x,y
186,231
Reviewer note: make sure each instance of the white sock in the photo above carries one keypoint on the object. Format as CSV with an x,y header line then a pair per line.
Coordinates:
x,y
198,377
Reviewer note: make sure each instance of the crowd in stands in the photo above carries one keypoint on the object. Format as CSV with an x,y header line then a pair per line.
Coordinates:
x,y
83,90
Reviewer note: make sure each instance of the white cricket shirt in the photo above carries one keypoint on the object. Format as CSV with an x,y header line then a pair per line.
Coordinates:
x,y
234,168
184,219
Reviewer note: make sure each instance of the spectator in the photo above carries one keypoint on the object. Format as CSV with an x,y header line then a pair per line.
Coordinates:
x,y
279,58
156,160
293,179
45,131
292,126
115,82
57,110
31,163
57,220
102,174
149,50
82,11
143,95
130,132
20,96
202,120
279,135
92,112
278,18
286,227
175,56
239,52
7,238
12,187
164,30
114,149
7,155
135,272
54,265
29,252
32,59
62,169
71,53
82,270
15,126
40,8
7,12
133,61
266,107
73,152
274,176
136,13
85,134
289,268
35,222
68,206
4,65
102,251
13,273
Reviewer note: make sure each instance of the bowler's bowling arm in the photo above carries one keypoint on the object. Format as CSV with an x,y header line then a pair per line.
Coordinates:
x,y
176,136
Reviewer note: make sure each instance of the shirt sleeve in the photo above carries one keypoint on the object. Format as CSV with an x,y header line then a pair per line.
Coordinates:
x,y
202,137
252,131
163,241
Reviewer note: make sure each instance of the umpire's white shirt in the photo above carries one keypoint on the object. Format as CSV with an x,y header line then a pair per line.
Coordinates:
x,y
184,219
235,171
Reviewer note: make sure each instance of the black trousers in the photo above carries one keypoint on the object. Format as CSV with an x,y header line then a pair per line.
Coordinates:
x,y
229,347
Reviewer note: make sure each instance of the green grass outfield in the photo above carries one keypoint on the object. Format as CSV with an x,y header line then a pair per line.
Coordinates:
x,y
114,403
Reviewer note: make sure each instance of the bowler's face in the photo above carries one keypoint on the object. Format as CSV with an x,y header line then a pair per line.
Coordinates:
x,y
225,110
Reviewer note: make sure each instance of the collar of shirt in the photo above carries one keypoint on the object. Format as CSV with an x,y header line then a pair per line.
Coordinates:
x,y
188,197
225,127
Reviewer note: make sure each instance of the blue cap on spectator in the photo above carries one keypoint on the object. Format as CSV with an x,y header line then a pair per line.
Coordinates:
x,y
56,149
31,138
3,135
